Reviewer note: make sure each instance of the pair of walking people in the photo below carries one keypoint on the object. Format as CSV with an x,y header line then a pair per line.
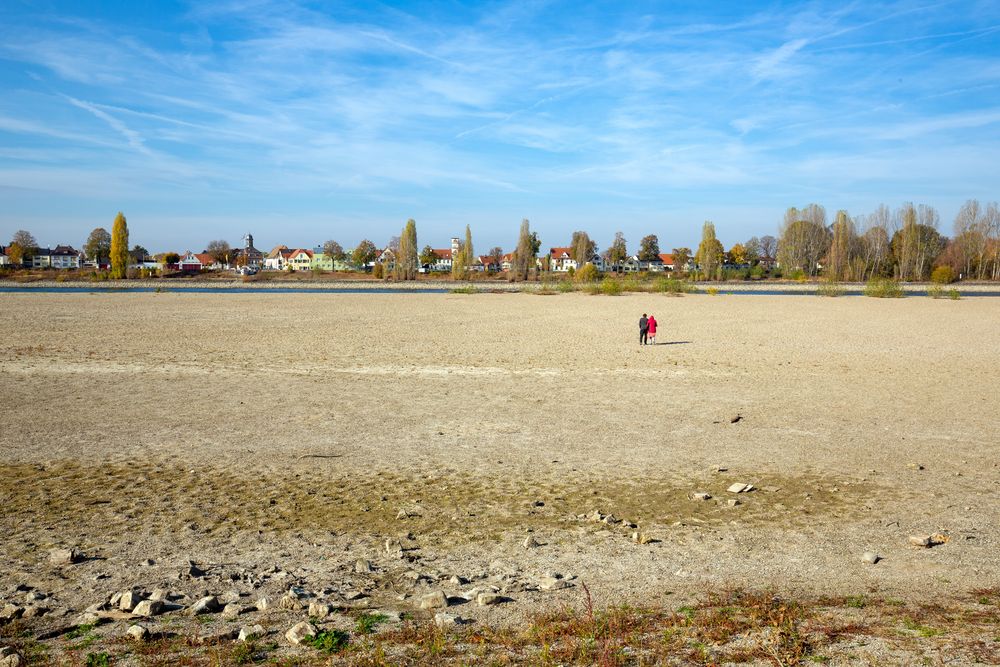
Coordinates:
x,y
647,330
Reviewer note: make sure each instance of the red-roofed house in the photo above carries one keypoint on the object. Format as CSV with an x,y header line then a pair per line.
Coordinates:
x,y
277,259
300,259
193,262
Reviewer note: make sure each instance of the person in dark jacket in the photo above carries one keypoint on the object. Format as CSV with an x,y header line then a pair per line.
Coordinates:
x,y
643,329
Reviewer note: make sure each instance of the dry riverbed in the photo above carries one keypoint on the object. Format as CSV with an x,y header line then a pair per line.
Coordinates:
x,y
362,460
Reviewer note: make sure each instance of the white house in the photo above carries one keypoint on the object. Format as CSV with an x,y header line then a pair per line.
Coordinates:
x,y
277,259
4,257
197,261
60,257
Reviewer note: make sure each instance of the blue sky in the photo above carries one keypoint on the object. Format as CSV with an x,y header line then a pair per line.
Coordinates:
x,y
302,122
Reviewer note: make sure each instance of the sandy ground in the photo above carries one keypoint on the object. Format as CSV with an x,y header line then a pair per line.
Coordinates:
x,y
279,438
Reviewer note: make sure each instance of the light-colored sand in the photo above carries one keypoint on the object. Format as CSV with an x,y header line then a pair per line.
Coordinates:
x,y
171,426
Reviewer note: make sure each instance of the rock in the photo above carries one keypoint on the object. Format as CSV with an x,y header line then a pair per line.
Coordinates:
x,y
596,516
232,610
611,519
443,620
772,489
320,610
137,632
34,596
205,605
393,548
159,594
530,542
870,557
740,487
10,612
300,631
456,580
194,571
701,495
10,658
353,595
129,599
732,502
149,608
64,556
641,538
487,599
921,541
362,566
34,611
552,583
250,632
290,602
914,466
435,600
402,514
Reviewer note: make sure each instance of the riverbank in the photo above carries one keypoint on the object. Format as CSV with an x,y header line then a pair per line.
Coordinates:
x,y
332,458
546,286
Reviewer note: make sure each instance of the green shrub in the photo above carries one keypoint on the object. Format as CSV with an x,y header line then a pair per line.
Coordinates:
x,y
632,283
712,291
571,272
938,292
884,288
797,274
611,287
593,288
467,289
328,641
777,273
943,275
757,272
366,623
565,286
830,288
588,274
98,660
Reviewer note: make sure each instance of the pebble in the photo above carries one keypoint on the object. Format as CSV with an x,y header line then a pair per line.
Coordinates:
x,y
9,657
129,599
393,548
232,610
362,566
137,632
300,631
33,596
11,612
250,632
701,495
732,502
443,620
34,611
530,542
740,487
921,541
159,594
870,557
435,600
149,608
319,610
486,599
290,602
205,605
263,604
552,583
64,556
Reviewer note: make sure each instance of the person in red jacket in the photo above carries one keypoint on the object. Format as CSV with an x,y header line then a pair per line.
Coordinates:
x,y
652,330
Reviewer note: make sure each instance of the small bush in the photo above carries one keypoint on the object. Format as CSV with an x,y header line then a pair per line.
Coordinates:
x,y
797,274
571,272
593,288
565,286
367,623
378,272
61,278
611,287
830,289
938,292
884,288
328,641
943,275
588,274
757,273
98,660
467,289
712,291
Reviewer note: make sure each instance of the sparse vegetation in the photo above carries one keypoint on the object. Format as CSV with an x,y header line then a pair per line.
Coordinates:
x,y
611,287
366,623
830,288
667,285
884,288
328,641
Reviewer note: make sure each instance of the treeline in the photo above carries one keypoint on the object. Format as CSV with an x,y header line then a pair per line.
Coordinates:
x,y
904,243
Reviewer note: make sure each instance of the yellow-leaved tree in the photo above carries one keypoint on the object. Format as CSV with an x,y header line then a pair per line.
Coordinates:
x,y
119,247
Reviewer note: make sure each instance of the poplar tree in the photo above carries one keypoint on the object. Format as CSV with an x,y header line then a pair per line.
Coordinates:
x,y
119,247
407,261
709,255
524,253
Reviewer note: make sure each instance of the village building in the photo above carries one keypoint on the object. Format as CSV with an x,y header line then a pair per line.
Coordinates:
x,y
4,257
300,259
277,259
60,257
193,262
248,255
